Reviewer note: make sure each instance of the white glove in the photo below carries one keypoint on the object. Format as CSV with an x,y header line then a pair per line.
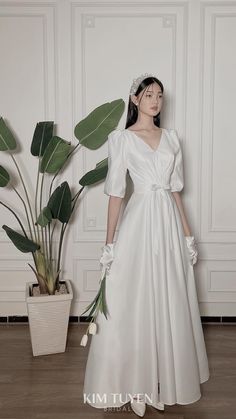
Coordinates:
x,y
107,257
191,244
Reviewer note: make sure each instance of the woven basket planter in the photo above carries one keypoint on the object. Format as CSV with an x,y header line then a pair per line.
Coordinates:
x,y
48,319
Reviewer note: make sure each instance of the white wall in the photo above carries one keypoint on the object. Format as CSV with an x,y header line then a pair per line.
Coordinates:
x,y
61,59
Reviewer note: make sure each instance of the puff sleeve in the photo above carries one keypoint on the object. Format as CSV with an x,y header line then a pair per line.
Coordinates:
x,y
115,182
177,175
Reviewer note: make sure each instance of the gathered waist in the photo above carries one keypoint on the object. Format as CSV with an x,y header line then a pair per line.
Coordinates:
x,y
155,208
153,187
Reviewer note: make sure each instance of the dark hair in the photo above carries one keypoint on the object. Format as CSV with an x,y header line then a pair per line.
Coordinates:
x,y
132,113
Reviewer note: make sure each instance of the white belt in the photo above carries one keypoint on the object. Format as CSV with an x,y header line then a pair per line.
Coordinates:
x,y
158,188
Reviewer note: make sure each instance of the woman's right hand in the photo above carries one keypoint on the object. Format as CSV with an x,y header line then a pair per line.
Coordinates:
x,y
107,256
192,248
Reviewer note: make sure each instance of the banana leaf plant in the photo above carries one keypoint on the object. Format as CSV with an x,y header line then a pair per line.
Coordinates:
x,y
50,209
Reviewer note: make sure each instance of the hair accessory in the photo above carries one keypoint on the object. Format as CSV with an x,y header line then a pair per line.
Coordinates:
x,y
137,82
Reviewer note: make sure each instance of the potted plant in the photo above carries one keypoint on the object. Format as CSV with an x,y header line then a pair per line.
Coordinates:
x,y
47,214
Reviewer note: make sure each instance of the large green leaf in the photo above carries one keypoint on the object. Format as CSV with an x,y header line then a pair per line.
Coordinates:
x,y
55,155
7,140
95,175
93,131
102,163
60,203
4,177
21,242
42,135
45,217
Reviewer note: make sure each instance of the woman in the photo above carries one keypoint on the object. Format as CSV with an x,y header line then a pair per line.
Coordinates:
x,y
151,349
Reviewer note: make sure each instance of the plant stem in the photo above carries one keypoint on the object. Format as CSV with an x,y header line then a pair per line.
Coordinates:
x,y
26,193
25,207
41,193
76,197
50,238
40,208
43,241
46,246
63,228
16,216
36,200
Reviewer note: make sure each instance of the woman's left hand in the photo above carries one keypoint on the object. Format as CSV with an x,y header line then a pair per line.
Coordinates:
x,y
191,244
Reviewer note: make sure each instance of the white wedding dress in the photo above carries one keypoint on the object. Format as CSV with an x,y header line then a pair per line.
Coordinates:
x,y
152,342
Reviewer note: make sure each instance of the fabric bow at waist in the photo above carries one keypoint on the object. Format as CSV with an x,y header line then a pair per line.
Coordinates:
x,y
159,189
150,187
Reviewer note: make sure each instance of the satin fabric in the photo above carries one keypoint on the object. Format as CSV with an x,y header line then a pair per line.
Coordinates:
x,y
152,342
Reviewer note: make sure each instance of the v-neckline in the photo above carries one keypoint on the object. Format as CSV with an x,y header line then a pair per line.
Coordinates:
x,y
145,143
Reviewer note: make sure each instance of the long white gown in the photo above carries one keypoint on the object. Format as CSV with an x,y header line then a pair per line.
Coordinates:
x,y
152,342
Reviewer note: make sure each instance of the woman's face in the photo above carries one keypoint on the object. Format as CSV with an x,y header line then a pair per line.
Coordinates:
x,y
149,101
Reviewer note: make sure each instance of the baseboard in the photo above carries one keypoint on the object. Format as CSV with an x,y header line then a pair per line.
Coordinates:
x,y
86,319
24,319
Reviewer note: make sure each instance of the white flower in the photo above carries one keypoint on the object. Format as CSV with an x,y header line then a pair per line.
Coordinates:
x,y
84,340
92,328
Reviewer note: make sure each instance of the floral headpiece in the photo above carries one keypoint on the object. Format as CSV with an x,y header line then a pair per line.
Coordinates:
x,y
137,82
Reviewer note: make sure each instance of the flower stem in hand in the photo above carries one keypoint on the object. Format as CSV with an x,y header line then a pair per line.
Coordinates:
x,y
98,303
